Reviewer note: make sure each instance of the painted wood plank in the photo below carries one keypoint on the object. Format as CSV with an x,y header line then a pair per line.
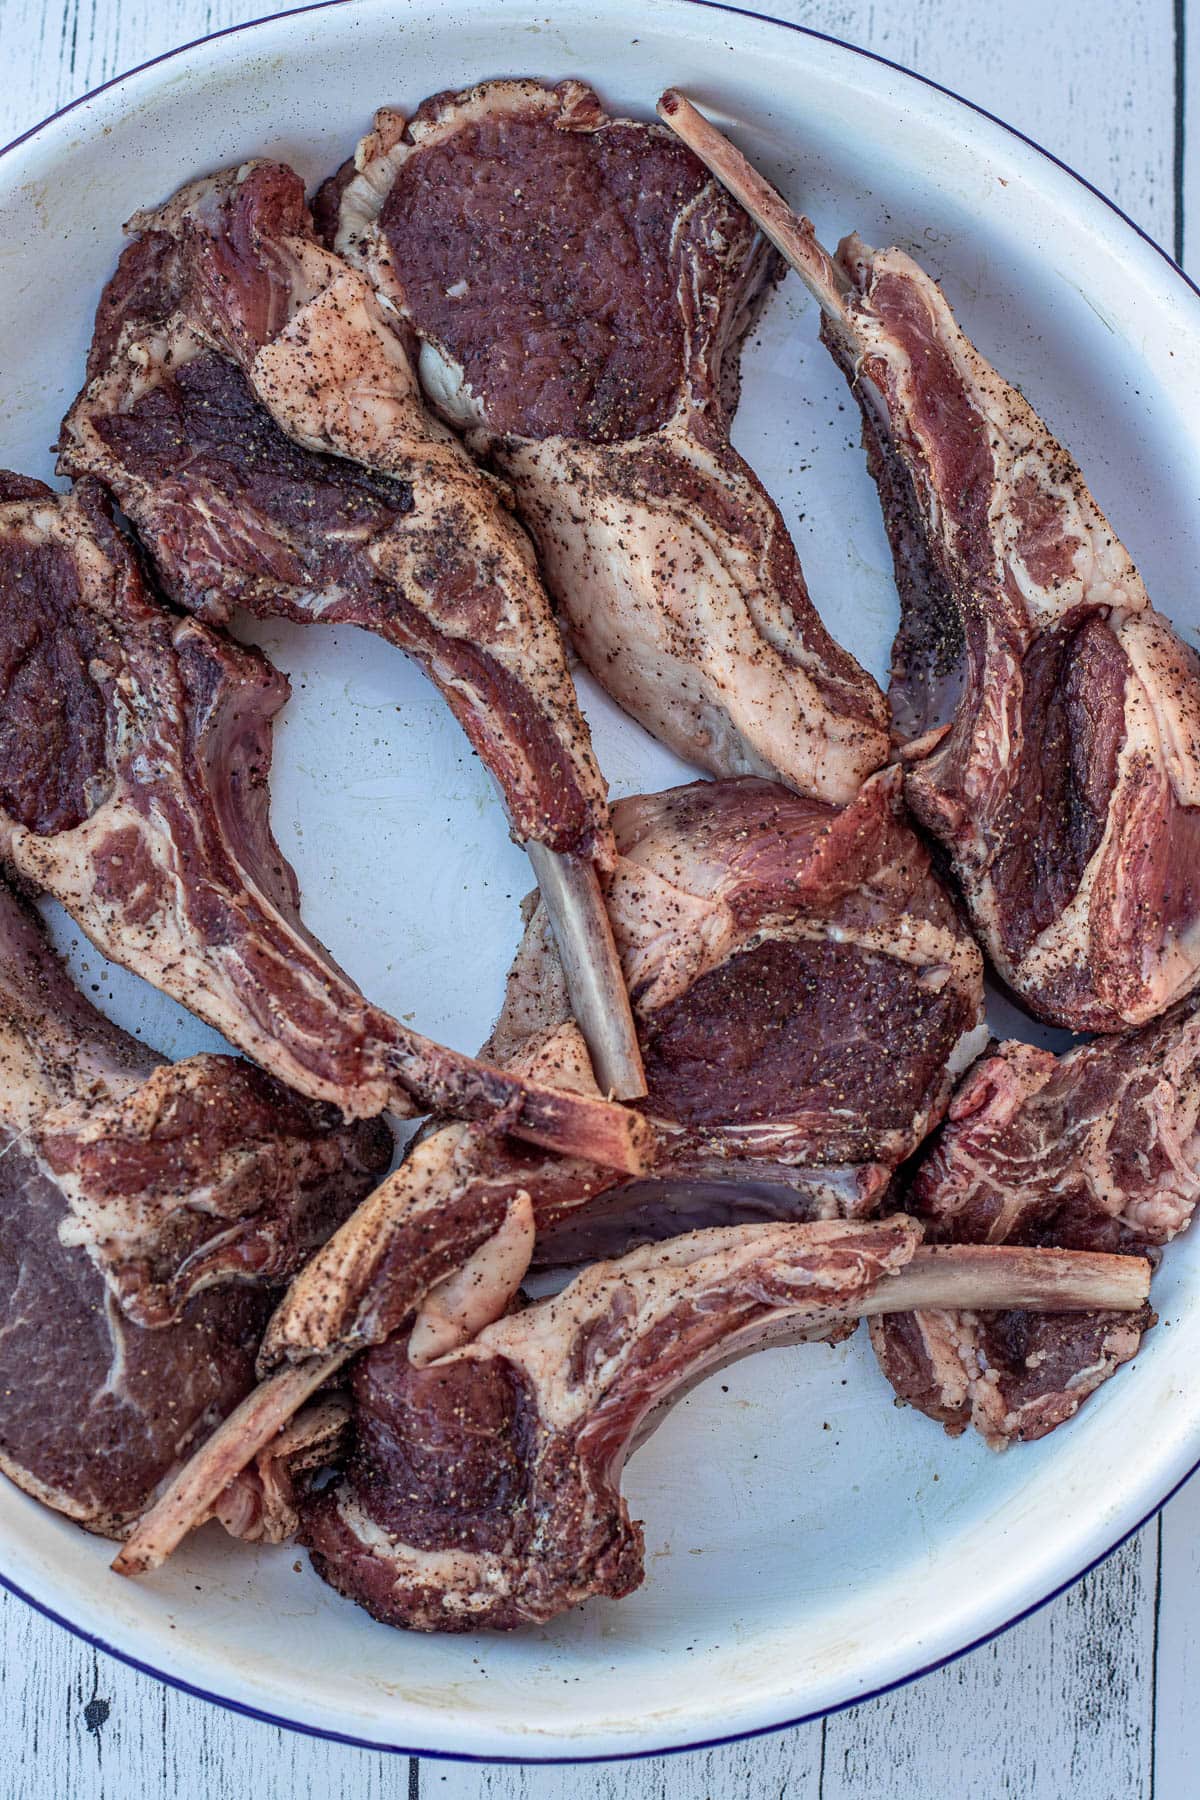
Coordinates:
x,y
1061,1705
67,47
1092,84
785,1765
1176,1746
1095,85
1187,133
81,1725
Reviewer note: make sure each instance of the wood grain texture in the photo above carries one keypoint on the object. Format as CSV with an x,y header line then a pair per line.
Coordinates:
x,y
1176,1737
1095,1695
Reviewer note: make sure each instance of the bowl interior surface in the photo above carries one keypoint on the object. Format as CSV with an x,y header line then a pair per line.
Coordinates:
x,y
807,1542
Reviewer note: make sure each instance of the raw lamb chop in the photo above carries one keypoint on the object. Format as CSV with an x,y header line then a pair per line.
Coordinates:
x,y
231,355
1049,719
137,1193
805,987
580,289
1095,1150
806,996
134,763
484,1489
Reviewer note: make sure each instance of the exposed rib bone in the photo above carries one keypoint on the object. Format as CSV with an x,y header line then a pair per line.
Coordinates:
x,y
198,1485
557,1120
791,235
1000,1277
592,967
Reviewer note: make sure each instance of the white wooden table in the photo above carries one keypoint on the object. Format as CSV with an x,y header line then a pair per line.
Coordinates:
x,y
1097,1695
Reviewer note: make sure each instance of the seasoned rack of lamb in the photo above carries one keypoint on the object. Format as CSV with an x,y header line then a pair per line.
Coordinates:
x,y
149,1213
580,289
1048,718
134,764
263,427
1095,1150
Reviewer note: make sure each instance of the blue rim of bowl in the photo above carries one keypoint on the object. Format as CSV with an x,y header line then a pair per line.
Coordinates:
x,y
900,1681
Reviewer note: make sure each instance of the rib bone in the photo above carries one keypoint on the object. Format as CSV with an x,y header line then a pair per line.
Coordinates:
x,y
195,1491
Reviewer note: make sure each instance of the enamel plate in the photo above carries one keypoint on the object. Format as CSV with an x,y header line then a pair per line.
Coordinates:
x,y
807,1541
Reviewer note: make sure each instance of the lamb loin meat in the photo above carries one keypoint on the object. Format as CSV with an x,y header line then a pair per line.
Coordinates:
x,y
134,1194
134,762
97,1412
262,427
1100,1146
806,989
1095,1150
1012,1374
806,995
484,1489
1048,717
210,1171
580,289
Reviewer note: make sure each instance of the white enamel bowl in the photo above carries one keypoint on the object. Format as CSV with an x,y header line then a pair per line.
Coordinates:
x,y
807,1542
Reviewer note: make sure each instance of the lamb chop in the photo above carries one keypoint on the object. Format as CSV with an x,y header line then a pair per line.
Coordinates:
x,y
263,428
806,988
135,1194
1095,1150
484,1489
580,289
134,763
1048,717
